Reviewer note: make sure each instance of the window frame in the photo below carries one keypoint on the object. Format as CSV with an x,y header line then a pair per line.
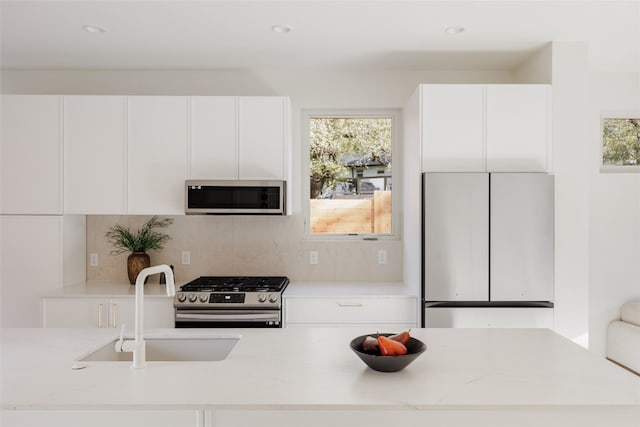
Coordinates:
x,y
396,120
604,115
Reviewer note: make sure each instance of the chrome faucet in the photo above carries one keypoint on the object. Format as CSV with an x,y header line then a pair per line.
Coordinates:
x,y
137,346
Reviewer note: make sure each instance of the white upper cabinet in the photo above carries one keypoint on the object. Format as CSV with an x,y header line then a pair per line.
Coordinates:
x,y
94,154
239,137
158,133
214,137
31,154
452,128
262,137
485,128
518,128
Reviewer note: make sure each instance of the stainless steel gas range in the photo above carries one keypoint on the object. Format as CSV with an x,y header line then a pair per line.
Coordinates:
x,y
230,302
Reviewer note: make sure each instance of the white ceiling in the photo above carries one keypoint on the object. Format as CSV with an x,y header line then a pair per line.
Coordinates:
x,y
147,34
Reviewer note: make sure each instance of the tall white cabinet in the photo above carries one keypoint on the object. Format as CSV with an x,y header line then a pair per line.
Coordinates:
x,y
31,154
39,253
94,154
158,133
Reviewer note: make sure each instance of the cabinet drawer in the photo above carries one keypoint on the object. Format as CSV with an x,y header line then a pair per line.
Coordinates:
x,y
350,310
489,317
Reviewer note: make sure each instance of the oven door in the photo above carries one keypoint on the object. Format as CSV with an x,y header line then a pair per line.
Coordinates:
x,y
228,318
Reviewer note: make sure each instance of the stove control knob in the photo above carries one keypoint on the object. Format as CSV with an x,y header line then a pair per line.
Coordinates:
x,y
193,297
262,297
273,298
204,298
182,297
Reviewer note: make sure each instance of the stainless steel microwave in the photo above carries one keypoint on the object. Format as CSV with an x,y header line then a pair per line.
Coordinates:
x,y
222,197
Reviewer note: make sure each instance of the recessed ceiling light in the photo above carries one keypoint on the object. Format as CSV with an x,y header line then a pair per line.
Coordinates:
x,y
281,28
454,30
93,29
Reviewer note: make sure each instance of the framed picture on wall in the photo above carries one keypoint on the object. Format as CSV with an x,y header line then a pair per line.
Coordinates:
x,y
620,141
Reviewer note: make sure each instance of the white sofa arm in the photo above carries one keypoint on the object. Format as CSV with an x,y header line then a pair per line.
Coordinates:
x,y
623,345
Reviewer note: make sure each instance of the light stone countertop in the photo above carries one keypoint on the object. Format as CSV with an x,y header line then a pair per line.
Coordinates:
x,y
314,369
108,289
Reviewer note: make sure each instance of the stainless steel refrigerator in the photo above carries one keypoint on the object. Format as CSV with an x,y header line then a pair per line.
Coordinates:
x,y
488,249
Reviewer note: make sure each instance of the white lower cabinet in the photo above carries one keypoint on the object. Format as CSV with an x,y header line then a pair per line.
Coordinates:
x,y
375,312
489,317
90,418
105,312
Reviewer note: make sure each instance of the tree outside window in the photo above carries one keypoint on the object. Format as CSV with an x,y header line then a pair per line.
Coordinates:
x,y
350,175
621,142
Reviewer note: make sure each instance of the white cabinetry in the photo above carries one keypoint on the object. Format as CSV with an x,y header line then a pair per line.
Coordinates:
x,y
239,137
485,128
94,154
158,133
518,128
214,137
73,312
31,154
262,137
384,313
27,242
452,120
39,254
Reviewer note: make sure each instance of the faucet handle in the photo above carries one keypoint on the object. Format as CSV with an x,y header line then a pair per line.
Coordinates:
x,y
120,342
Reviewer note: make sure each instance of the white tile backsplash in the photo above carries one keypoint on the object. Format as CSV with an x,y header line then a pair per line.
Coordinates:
x,y
247,245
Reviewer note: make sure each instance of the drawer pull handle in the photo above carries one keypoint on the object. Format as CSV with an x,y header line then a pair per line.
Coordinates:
x,y
99,315
350,304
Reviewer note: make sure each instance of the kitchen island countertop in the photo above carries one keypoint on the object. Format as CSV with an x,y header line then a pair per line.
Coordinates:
x,y
314,369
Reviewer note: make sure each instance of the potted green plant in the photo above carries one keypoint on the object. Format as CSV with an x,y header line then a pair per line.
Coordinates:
x,y
138,242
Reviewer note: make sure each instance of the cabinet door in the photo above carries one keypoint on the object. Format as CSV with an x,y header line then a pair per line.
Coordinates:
x,y
32,259
31,154
158,154
262,132
521,237
75,313
350,311
214,137
94,153
452,128
518,128
158,313
456,236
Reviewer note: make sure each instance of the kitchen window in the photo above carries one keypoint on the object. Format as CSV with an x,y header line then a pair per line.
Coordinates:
x,y
349,191
620,148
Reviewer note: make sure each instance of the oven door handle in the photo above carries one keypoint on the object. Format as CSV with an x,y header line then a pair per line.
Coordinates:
x,y
228,317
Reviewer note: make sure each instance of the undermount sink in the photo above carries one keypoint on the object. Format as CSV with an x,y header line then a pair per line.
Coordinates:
x,y
191,348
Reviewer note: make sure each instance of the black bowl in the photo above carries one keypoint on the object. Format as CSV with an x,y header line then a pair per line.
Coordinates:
x,y
377,362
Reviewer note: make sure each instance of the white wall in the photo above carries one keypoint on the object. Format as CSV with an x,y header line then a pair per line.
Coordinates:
x,y
614,207
571,166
